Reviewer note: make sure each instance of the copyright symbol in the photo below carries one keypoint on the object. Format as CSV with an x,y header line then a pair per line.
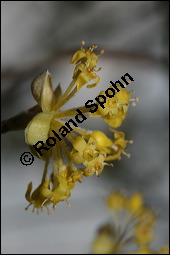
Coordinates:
x,y
27,158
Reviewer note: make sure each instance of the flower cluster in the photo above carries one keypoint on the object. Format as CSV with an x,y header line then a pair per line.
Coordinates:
x,y
131,228
115,109
81,152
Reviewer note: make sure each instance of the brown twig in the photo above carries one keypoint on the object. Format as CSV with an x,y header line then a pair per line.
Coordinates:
x,y
20,121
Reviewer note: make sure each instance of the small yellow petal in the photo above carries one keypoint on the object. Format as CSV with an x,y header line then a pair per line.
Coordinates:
x,y
79,144
102,139
28,192
136,202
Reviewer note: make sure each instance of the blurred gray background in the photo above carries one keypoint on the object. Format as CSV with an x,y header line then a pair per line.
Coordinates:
x,y
43,35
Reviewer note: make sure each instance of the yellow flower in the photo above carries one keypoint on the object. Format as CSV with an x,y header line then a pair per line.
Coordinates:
x,y
135,202
84,151
116,201
79,55
103,244
94,166
116,107
102,139
120,143
143,234
84,74
164,250
132,226
40,197
112,149
61,192
90,148
75,176
71,176
85,56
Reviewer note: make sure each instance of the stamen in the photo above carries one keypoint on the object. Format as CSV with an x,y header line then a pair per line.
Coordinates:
x,y
48,211
129,141
83,43
134,99
94,46
37,212
108,164
33,209
42,210
100,68
131,92
44,202
68,204
126,154
26,208
54,207
97,173
101,52
132,104
90,70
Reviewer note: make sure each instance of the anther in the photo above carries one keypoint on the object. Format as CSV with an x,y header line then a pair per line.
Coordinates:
x,y
131,92
33,209
68,204
54,207
94,46
89,70
48,211
92,143
83,43
129,141
97,173
100,68
134,99
42,210
98,166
